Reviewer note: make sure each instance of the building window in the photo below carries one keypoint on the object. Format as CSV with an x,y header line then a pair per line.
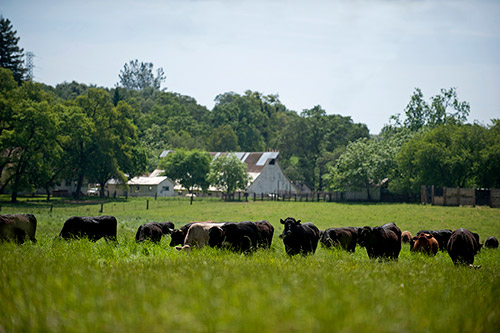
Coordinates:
x,y
271,162
137,188
166,188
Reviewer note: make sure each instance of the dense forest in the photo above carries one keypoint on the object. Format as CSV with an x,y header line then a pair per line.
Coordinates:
x,y
81,132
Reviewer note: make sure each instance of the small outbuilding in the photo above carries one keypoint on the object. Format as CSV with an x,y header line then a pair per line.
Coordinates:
x,y
158,186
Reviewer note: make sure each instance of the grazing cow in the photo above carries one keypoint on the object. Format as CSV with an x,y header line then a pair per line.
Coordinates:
x,y
442,236
346,237
239,237
197,235
406,237
425,243
462,247
179,235
17,227
153,231
93,227
491,243
381,242
265,233
299,238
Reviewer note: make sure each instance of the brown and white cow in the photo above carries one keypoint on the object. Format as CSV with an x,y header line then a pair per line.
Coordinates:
x,y
197,235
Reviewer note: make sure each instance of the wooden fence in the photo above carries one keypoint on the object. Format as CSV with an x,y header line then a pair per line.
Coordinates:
x,y
457,196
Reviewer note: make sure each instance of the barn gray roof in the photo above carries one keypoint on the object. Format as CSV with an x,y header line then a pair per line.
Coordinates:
x,y
255,161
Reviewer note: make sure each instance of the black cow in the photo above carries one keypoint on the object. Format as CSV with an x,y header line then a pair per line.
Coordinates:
x,y
153,231
463,246
239,237
92,227
491,243
299,238
346,237
442,236
265,233
381,242
18,227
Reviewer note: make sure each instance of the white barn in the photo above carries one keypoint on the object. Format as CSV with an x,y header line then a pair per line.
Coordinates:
x,y
266,175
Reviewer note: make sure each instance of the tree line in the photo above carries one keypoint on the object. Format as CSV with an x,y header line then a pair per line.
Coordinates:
x,y
83,132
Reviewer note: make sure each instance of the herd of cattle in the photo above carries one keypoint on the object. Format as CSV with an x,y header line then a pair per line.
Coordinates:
x,y
383,242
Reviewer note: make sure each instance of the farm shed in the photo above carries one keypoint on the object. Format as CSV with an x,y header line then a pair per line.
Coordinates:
x,y
159,186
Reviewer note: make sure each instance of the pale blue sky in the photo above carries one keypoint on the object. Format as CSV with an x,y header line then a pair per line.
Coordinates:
x,y
355,58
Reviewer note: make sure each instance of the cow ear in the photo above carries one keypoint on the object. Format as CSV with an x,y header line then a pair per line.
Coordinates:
x,y
298,221
415,238
282,222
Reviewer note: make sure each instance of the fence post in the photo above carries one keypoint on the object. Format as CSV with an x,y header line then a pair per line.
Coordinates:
x,y
102,208
147,204
432,195
262,197
307,196
474,196
254,196
458,196
51,206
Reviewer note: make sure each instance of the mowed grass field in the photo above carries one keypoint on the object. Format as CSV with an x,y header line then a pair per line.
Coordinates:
x,y
80,286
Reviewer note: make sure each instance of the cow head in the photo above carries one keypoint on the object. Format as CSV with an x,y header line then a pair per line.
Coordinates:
x,y
166,227
177,237
364,235
216,236
422,237
422,242
290,225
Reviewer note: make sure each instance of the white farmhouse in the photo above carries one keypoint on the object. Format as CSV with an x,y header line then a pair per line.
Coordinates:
x,y
159,186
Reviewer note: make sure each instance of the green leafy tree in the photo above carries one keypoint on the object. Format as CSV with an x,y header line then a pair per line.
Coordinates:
x,y
314,138
489,170
101,141
188,168
444,108
139,75
27,141
228,173
11,55
365,162
448,155
68,91
223,138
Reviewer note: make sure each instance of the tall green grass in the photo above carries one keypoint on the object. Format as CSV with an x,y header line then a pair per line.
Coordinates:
x,y
80,286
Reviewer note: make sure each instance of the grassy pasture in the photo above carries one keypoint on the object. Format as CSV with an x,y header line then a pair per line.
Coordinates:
x,y
81,286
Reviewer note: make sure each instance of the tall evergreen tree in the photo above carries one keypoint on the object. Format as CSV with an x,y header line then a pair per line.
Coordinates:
x,y
11,55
